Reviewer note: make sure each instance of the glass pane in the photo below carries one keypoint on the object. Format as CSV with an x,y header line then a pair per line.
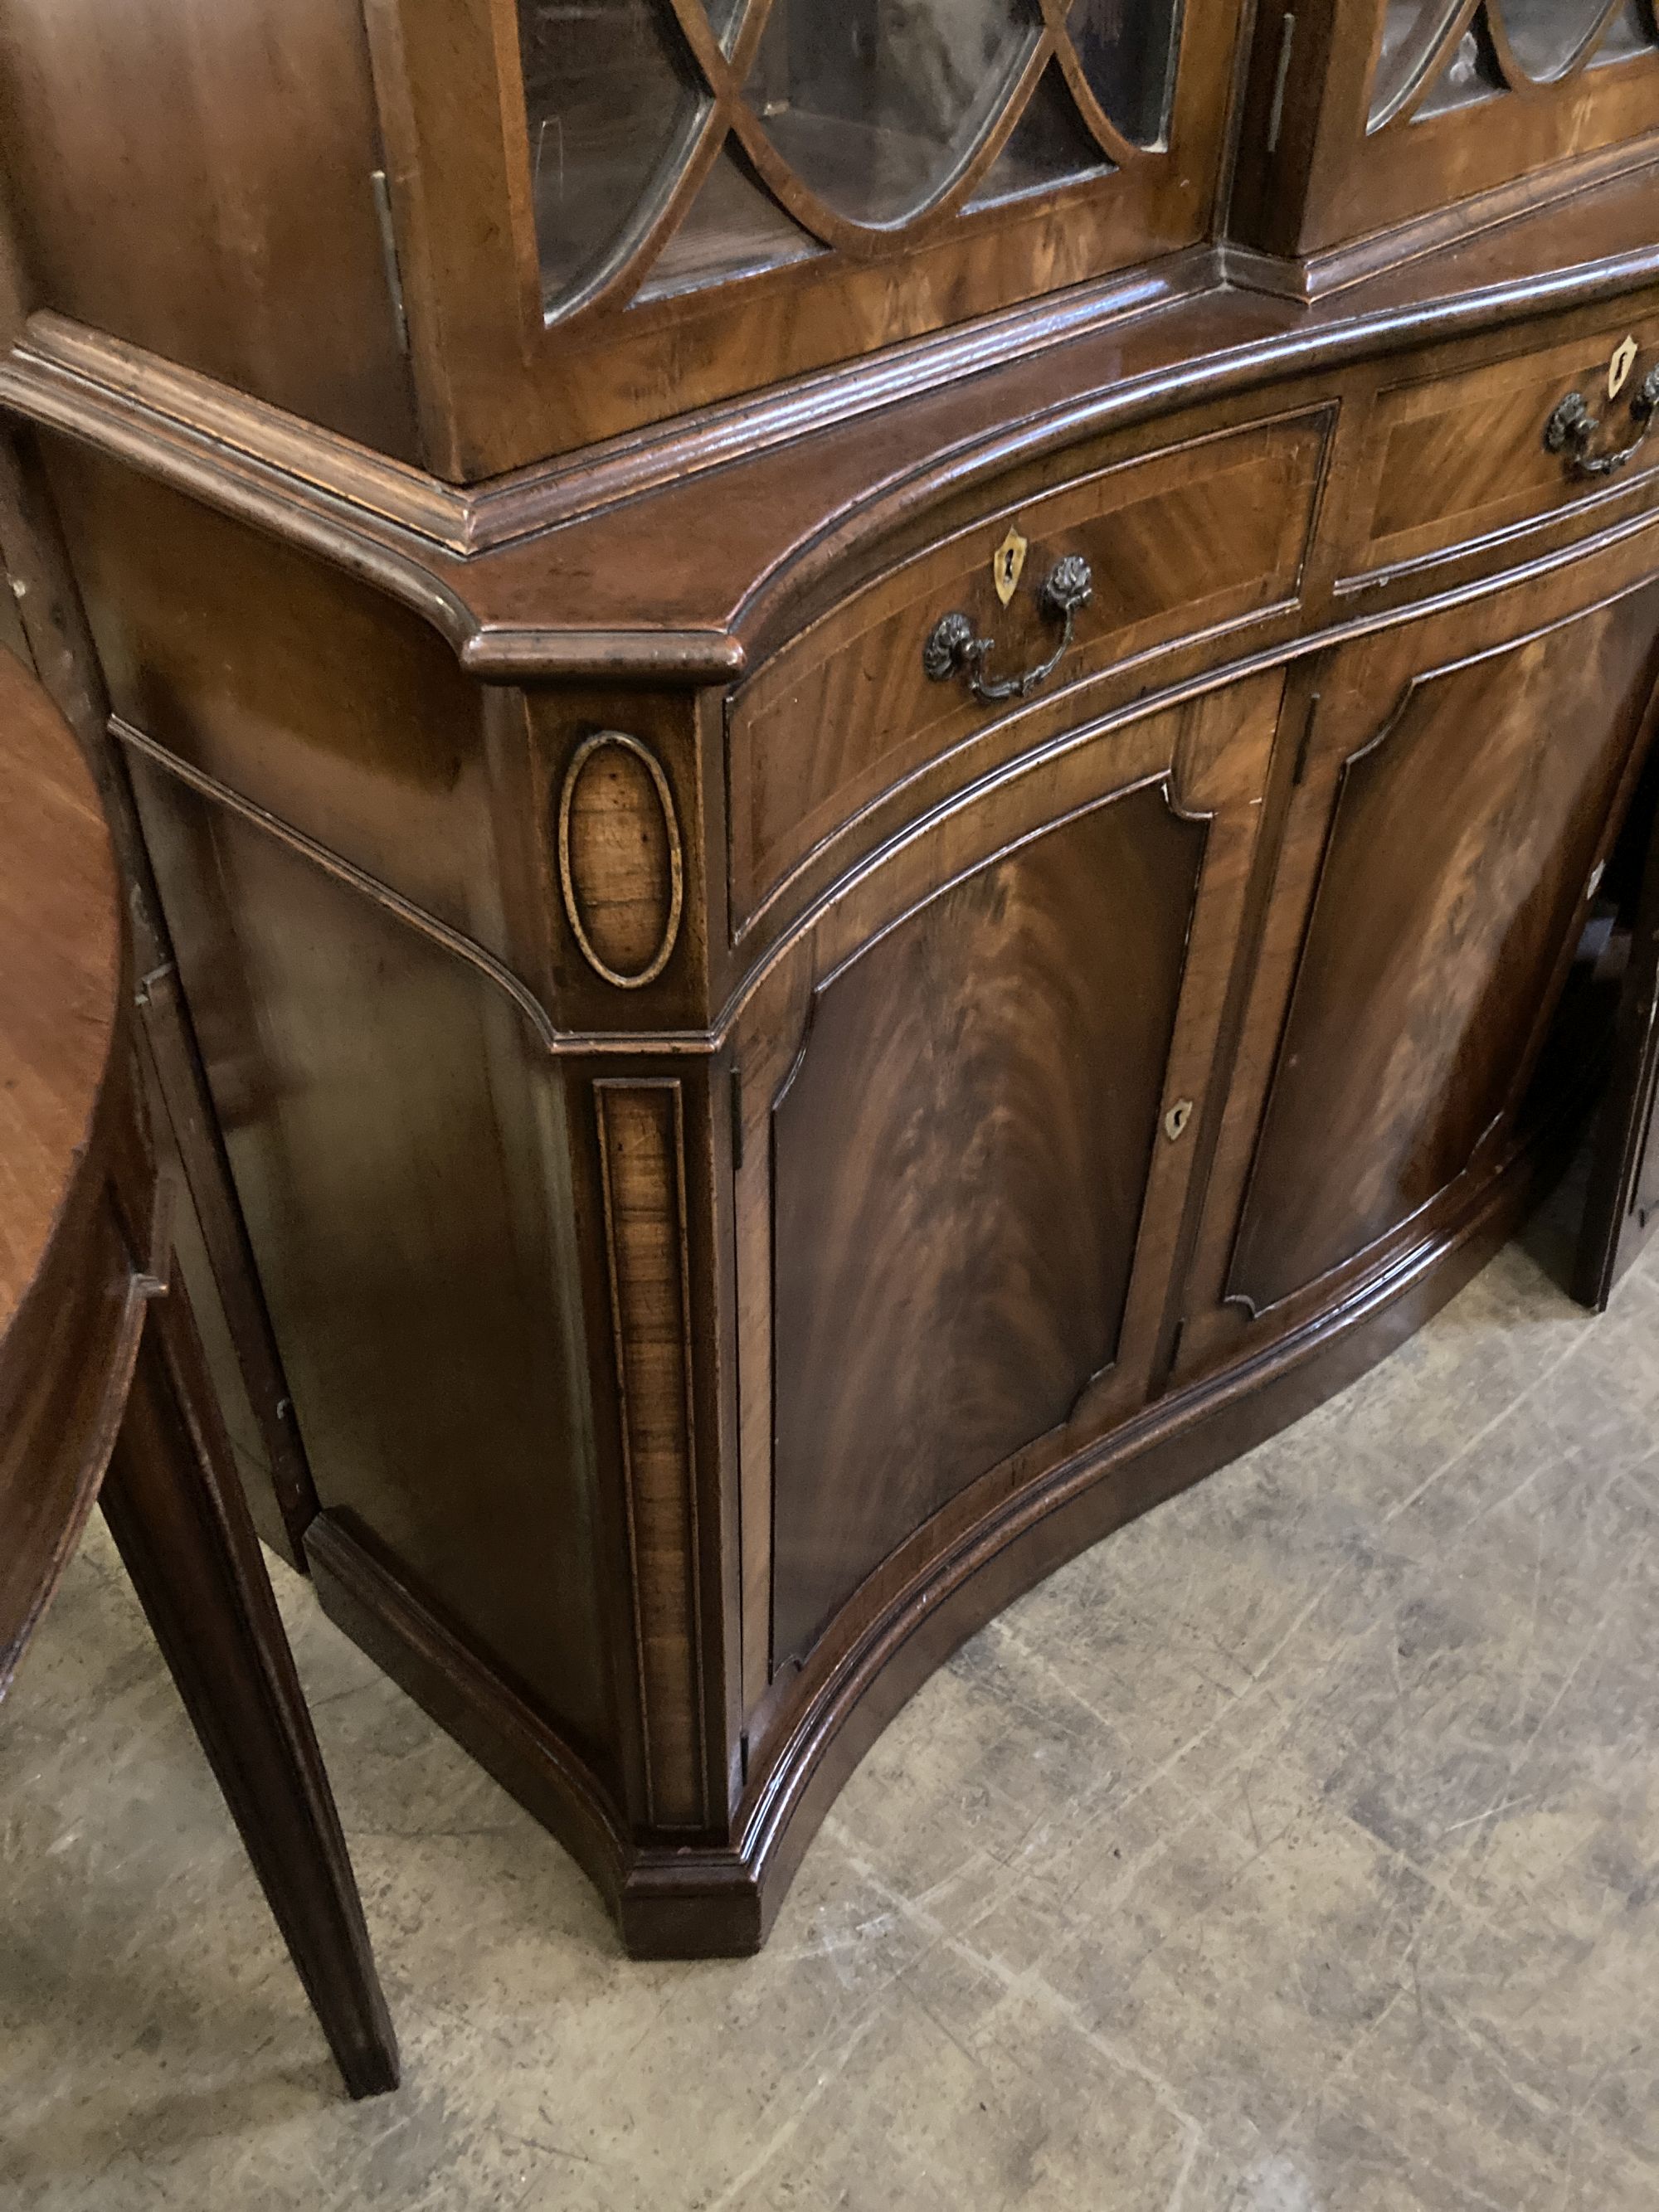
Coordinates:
x,y
877,104
1411,31
732,229
1630,33
1049,146
1128,49
1472,74
1548,35
612,109
726,17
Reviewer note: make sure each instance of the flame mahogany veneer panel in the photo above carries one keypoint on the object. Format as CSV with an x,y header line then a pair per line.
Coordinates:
x,y
1464,832
960,1160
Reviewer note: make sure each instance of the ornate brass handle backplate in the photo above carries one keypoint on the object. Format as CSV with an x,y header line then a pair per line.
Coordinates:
x,y
1573,431
953,649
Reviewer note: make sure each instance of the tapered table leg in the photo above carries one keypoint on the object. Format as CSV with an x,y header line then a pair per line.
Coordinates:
x,y
179,1518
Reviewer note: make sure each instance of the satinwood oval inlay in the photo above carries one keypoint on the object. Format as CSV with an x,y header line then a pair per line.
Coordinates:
x,y
621,867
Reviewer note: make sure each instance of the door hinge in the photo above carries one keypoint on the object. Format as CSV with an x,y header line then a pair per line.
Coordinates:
x,y
394,279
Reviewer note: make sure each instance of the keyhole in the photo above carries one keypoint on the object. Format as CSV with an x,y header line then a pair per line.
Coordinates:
x,y
1175,1120
1008,569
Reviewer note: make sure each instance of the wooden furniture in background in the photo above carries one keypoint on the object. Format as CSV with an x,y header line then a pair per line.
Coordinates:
x,y
875,742
103,1393
1621,1210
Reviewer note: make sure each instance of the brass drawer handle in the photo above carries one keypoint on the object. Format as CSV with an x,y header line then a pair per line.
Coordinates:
x,y
1573,427
954,650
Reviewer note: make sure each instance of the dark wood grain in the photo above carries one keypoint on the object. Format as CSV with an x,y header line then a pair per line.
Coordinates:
x,y
1463,457
1199,537
1465,832
960,1163
433,1328
198,179
755,1153
177,1515
1317,173
211,1239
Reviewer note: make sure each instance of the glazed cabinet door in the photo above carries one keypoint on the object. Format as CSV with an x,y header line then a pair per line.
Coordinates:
x,y
970,1091
608,211
1364,115
1462,779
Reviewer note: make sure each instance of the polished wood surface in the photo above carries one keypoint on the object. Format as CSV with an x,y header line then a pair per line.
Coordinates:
x,y
1467,824
1342,140
1458,457
210,1235
960,1158
198,180
1203,535
461,190
502,387
762,1130
60,982
103,1387
60,991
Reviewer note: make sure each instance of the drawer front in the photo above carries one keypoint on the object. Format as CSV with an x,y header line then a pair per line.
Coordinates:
x,y
1185,542
1453,461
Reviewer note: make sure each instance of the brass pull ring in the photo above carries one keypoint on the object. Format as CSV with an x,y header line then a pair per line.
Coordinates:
x,y
954,650
1574,427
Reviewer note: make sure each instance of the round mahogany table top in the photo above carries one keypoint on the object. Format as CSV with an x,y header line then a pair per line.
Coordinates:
x,y
69,1311
60,974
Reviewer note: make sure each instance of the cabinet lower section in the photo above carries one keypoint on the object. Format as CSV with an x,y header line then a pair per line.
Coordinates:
x,y
700,1900
746,1178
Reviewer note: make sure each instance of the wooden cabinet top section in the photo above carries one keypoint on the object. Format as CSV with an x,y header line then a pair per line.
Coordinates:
x,y
478,236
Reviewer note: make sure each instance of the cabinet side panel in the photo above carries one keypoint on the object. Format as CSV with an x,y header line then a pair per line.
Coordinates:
x,y
302,689
196,176
398,1140
1463,835
959,1163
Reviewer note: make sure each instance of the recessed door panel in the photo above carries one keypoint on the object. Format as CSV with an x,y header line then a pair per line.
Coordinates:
x,y
959,1163
1464,832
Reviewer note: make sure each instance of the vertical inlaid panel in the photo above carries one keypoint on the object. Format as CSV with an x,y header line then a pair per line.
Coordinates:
x,y
959,1164
642,1142
1464,832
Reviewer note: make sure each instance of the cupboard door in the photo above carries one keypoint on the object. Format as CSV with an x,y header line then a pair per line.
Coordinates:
x,y
1367,115
971,1095
1464,777
610,212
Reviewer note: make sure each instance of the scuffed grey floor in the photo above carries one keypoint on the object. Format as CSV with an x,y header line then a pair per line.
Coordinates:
x,y
1296,1850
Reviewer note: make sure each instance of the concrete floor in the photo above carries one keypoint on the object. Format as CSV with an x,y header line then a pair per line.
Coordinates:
x,y
1297,1850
